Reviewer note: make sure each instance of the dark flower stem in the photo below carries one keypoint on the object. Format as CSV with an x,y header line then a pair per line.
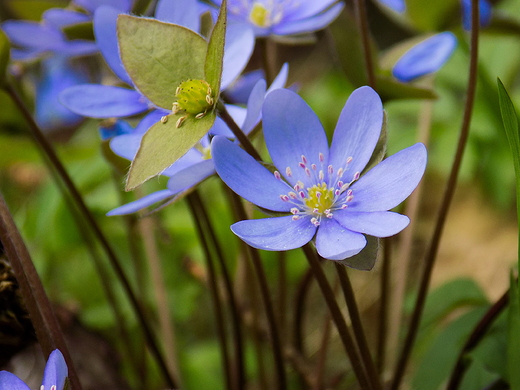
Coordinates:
x,y
237,131
383,305
212,281
259,272
299,310
357,326
474,338
38,306
89,218
347,340
228,286
431,254
362,22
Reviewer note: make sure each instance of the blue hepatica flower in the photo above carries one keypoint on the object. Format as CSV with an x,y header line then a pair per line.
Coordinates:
x,y
426,57
196,165
283,17
321,189
485,13
54,376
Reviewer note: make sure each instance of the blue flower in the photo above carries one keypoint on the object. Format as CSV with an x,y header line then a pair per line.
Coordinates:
x,y
196,165
426,57
54,376
283,17
485,12
322,190
395,5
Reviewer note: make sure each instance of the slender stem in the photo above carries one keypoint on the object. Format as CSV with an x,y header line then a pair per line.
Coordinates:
x,y
446,201
212,281
89,218
383,305
254,256
322,353
282,292
299,312
269,58
38,306
337,317
474,338
241,137
362,22
240,379
357,326
404,251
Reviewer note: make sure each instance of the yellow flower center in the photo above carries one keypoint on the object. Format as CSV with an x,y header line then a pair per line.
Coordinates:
x,y
259,15
320,198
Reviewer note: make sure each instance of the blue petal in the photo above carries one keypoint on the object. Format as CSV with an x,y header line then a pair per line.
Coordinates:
x,y
281,78
292,129
192,157
10,381
191,176
140,204
55,371
57,75
391,181
275,234
396,5
311,24
111,130
254,107
105,30
239,91
334,242
357,131
31,34
377,224
182,12
240,42
103,101
247,177
92,5
221,128
76,48
485,12
306,9
59,17
426,57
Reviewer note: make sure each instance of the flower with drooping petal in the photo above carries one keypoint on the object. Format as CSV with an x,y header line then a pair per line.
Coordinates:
x,y
320,188
283,17
196,165
54,376
426,57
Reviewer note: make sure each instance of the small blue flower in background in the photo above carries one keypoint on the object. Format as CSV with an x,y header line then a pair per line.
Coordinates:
x,y
196,165
396,5
485,13
283,17
54,376
426,57
321,189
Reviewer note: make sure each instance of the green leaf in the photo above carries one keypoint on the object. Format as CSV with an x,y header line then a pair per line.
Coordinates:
x,y
365,259
510,121
389,88
430,15
513,337
158,56
165,143
4,56
215,55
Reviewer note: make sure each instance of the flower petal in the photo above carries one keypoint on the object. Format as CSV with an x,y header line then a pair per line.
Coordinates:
x,y
140,204
103,101
396,5
105,30
247,177
292,129
357,131
59,17
306,9
254,106
192,157
31,34
485,11
55,371
182,12
239,91
389,182
92,5
281,78
191,176
275,234
335,242
377,223
426,57
10,381
311,24
240,42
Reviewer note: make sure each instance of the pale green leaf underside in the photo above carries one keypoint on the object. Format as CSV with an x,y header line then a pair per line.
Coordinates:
x,y
215,54
163,144
158,56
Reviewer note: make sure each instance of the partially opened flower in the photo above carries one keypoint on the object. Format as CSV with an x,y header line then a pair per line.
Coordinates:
x,y
321,189
426,57
283,17
54,376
